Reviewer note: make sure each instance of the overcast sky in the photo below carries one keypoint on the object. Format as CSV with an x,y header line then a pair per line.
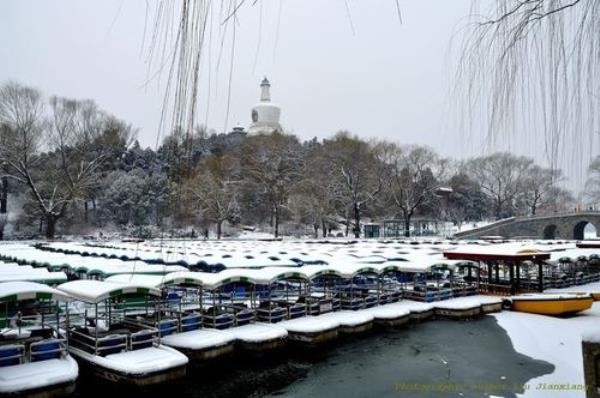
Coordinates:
x,y
367,73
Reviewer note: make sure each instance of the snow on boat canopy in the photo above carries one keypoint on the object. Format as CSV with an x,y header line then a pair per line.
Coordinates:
x,y
93,267
25,290
33,354
501,252
92,291
16,272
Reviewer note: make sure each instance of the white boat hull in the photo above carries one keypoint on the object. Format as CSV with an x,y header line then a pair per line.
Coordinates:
x,y
144,367
50,378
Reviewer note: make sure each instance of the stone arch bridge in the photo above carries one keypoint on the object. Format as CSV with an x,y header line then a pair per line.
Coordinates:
x,y
556,226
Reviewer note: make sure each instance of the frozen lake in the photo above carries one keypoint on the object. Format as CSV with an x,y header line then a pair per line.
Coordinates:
x,y
432,359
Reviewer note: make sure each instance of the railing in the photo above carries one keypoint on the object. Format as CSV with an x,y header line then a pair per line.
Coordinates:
x,y
296,310
115,342
352,303
190,322
221,320
428,294
47,349
271,314
12,354
495,289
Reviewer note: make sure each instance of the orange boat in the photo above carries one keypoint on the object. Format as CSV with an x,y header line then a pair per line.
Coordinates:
x,y
552,304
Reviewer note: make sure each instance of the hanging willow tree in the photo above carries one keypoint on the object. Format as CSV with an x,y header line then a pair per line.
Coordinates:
x,y
180,42
531,68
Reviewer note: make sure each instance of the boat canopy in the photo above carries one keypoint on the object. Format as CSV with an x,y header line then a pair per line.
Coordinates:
x,y
19,291
149,281
270,275
419,264
39,275
351,270
92,291
315,271
511,252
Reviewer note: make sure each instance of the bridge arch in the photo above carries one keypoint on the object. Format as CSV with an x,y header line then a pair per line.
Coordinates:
x,y
579,229
551,232
558,225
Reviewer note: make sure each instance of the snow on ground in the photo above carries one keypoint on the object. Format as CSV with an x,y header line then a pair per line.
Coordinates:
x,y
554,340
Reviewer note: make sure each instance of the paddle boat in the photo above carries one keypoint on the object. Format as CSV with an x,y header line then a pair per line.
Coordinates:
x,y
179,317
235,294
34,360
110,344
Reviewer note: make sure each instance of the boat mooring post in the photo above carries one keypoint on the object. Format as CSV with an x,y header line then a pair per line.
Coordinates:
x,y
590,346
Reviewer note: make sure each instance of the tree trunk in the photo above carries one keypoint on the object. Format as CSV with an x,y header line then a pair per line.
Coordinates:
x,y
356,220
50,226
407,218
85,211
219,228
324,229
498,210
4,195
316,229
276,221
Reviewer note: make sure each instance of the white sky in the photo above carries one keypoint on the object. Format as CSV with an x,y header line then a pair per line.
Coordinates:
x,y
385,80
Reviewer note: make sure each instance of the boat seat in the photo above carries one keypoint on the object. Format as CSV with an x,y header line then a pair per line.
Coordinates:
x,y
191,322
167,327
142,339
112,344
11,354
46,349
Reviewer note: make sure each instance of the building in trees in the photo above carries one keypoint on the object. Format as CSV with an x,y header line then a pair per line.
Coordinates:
x,y
265,114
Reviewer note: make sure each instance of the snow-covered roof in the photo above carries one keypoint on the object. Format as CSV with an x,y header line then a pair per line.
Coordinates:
x,y
23,290
92,291
149,281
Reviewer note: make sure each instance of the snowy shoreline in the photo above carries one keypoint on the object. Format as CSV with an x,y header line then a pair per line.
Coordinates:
x,y
554,340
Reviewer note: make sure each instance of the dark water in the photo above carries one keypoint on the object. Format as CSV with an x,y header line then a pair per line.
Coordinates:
x,y
432,359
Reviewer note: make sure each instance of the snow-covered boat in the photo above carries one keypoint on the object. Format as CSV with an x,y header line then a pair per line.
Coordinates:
x,y
113,346
311,330
389,315
209,342
351,322
551,304
34,360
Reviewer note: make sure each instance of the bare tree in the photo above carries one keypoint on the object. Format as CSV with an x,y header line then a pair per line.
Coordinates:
x,y
3,205
538,187
415,173
215,188
355,172
534,65
59,176
313,197
272,164
592,186
501,177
